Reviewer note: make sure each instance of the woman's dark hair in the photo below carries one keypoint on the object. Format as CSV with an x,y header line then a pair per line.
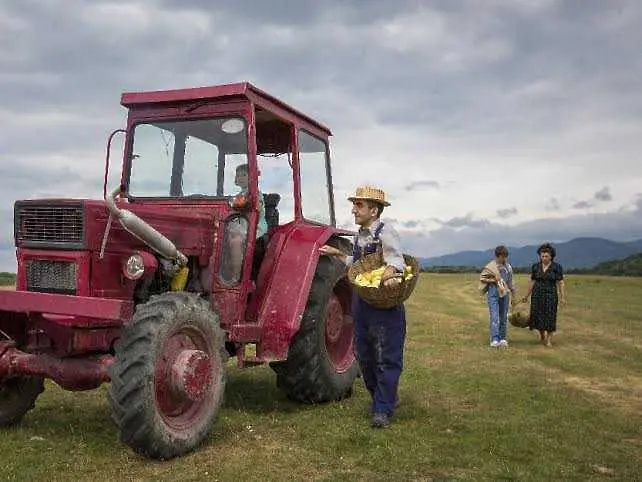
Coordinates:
x,y
501,251
546,248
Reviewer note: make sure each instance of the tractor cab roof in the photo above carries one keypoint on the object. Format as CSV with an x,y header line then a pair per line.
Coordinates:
x,y
244,90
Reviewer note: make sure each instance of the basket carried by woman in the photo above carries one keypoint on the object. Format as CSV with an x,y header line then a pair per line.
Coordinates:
x,y
519,317
383,297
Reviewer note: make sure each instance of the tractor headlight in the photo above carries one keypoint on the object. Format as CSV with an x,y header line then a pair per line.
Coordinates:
x,y
134,267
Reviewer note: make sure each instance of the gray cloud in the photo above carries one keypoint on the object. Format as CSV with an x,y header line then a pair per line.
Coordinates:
x,y
582,205
603,194
624,224
464,221
418,185
506,213
412,90
411,224
552,205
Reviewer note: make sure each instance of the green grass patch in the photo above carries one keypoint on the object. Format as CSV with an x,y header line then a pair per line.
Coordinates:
x,y
526,413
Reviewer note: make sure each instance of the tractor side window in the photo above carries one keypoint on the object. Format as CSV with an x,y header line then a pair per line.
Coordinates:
x,y
276,180
315,195
153,152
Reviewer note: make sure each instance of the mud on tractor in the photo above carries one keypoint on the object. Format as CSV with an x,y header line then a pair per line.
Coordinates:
x,y
155,286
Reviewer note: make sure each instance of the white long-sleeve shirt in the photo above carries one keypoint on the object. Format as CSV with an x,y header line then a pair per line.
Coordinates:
x,y
390,244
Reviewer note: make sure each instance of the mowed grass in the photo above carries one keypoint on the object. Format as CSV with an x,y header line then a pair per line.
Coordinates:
x,y
468,412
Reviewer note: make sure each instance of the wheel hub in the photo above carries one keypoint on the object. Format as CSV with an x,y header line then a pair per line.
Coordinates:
x,y
338,335
191,374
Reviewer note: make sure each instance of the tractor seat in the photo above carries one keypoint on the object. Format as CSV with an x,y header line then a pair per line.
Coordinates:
x,y
271,201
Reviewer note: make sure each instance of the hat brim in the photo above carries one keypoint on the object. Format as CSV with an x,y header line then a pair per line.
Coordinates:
x,y
359,198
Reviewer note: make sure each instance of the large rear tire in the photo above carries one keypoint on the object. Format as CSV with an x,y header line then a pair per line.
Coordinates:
x,y
18,396
321,365
168,378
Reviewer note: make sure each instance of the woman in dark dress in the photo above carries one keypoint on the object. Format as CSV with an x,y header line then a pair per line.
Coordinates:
x,y
546,286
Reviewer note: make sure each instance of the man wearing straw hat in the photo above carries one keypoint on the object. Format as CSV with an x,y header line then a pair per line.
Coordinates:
x,y
379,334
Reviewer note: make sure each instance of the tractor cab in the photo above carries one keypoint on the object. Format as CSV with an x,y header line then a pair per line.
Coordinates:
x,y
186,147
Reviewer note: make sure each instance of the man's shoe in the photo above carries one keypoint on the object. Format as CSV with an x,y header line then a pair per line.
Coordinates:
x,y
503,343
380,420
494,344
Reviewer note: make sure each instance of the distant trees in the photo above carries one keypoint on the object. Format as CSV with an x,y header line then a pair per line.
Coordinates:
x,y
630,266
7,279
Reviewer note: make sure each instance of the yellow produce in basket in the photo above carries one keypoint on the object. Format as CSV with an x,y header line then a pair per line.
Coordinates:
x,y
372,279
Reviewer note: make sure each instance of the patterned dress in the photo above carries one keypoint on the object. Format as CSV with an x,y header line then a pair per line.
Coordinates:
x,y
544,296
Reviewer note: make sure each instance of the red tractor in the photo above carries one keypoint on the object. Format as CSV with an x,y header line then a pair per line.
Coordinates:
x,y
182,266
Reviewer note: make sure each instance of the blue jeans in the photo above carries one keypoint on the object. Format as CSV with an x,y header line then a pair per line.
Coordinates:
x,y
498,308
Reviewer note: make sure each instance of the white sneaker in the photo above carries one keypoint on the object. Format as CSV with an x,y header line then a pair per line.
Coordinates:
x,y
494,344
503,343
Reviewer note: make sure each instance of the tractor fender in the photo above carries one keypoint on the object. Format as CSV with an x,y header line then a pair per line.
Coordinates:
x,y
284,284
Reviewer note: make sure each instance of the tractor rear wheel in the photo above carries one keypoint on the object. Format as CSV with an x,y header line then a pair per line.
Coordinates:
x,y
321,365
168,378
18,396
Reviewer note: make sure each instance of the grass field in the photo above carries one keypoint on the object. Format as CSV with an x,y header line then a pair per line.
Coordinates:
x,y
468,412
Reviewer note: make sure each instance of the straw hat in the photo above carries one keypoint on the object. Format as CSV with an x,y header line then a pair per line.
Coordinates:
x,y
368,193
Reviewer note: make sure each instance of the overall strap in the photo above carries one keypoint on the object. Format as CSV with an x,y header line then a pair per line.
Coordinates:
x,y
378,231
356,251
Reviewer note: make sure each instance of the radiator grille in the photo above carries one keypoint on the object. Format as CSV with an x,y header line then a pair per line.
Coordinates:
x,y
47,276
49,226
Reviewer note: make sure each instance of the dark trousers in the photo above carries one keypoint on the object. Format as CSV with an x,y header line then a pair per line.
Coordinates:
x,y
379,337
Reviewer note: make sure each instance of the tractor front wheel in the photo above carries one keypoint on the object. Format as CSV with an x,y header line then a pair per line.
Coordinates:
x,y
168,378
18,396
321,365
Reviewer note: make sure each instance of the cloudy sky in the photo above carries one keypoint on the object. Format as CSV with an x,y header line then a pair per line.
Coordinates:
x,y
489,121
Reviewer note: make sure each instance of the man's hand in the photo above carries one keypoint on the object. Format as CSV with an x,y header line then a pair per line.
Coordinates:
x,y
330,251
563,301
389,271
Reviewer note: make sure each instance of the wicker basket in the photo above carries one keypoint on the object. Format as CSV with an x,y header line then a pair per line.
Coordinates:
x,y
519,318
383,297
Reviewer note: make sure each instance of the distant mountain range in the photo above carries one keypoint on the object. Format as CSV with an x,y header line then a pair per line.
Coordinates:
x,y
578,253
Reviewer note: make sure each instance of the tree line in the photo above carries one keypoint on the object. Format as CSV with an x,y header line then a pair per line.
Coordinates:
x,y
630,266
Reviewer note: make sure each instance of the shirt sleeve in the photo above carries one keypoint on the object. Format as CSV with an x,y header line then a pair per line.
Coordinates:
x,y
559,272
391,245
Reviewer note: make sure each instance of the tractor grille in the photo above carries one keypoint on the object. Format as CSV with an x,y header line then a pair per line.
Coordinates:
x,y
49,226
47,276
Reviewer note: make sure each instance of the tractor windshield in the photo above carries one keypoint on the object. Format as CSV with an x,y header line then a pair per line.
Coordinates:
x,y
195,158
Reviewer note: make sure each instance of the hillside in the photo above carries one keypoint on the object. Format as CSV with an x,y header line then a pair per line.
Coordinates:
x,y
579,253
629,266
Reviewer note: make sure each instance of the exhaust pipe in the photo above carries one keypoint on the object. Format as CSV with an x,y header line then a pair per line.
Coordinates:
x,y
143,231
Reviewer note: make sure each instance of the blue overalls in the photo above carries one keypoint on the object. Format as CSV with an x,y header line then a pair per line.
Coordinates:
x,y
379,336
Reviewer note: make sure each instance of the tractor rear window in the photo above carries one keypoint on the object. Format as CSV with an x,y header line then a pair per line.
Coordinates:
x,y
195,158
